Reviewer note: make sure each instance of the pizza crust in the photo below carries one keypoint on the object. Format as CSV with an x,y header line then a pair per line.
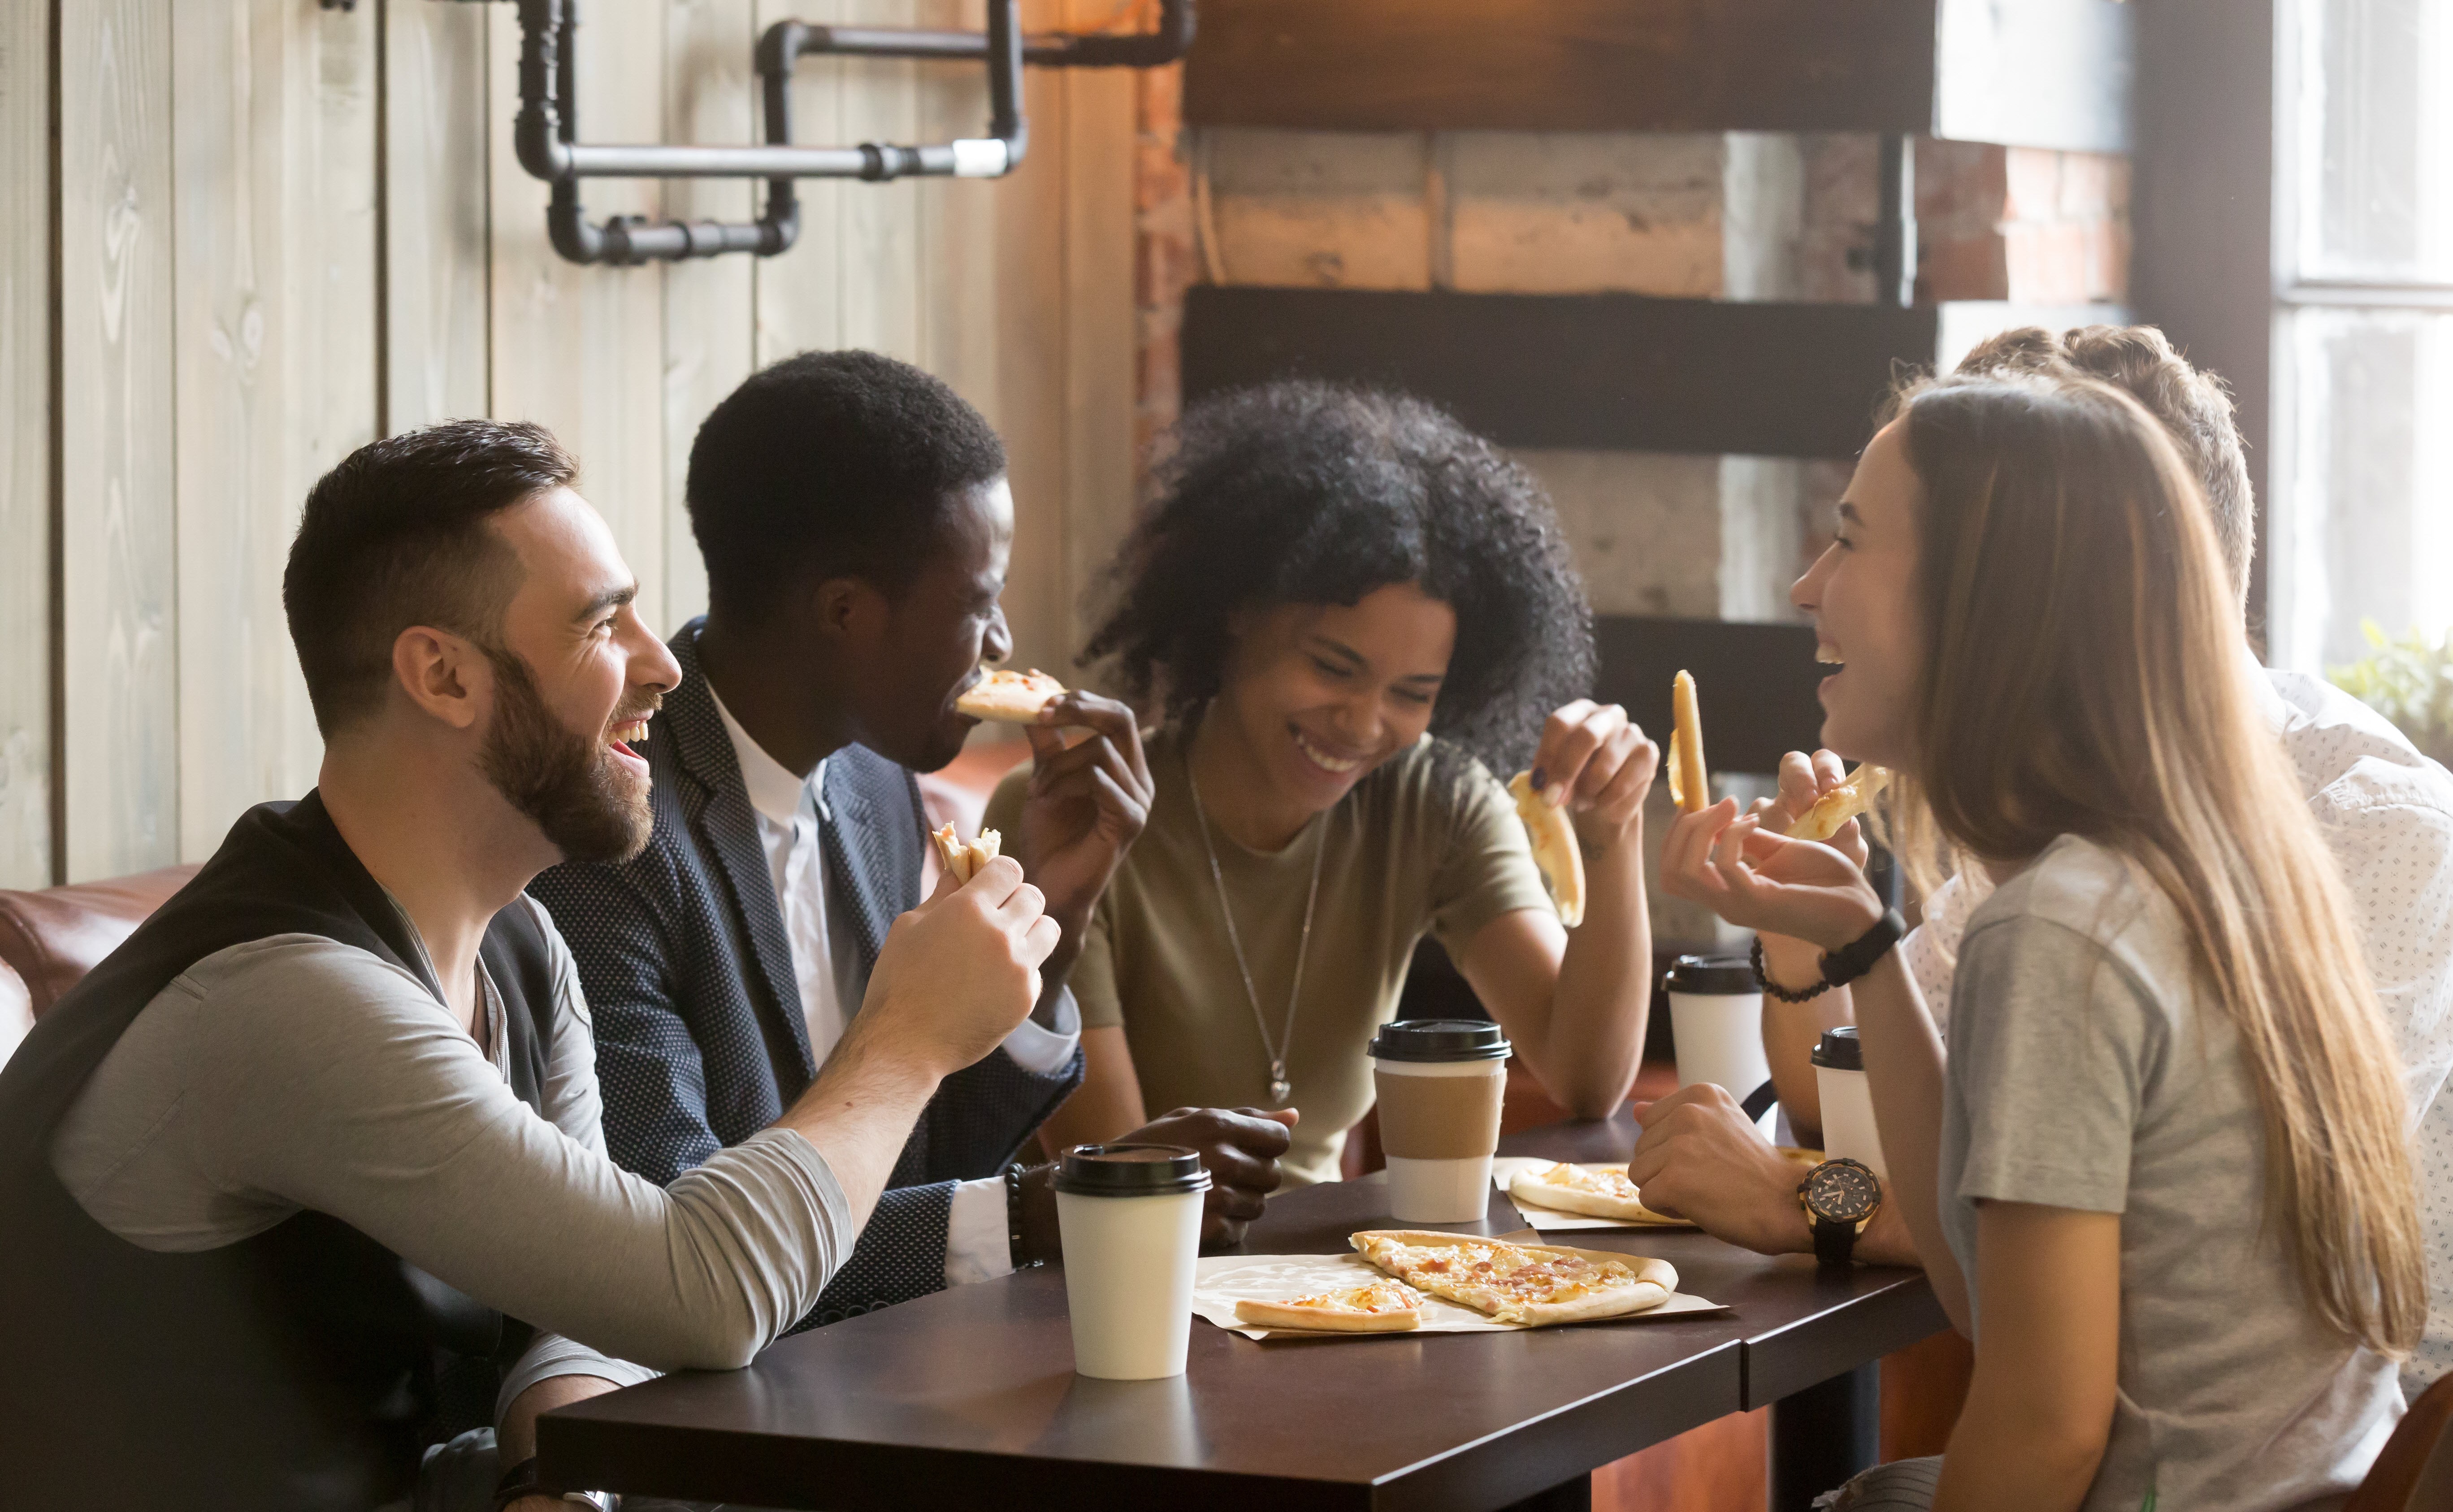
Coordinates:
x,y
1554,847
1654,1280
1529,1185
1014,697
1690,783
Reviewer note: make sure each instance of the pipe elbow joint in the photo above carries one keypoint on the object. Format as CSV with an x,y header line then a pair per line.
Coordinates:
x,y
538,143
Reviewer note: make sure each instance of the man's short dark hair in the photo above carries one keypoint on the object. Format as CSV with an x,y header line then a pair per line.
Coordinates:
x,y
396,535
831,464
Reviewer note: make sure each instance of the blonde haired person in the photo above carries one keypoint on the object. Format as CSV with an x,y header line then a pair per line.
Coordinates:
x,y
2160,1179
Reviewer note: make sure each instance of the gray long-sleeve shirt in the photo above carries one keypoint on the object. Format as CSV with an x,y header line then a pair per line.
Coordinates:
x,y
296,1072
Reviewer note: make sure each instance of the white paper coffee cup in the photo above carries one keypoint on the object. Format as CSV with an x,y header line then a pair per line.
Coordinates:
x,y
1716,1016
1441,1084
1129,1220
1847,1104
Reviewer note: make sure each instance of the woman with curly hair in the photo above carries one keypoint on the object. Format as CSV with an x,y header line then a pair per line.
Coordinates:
x,y
1352,612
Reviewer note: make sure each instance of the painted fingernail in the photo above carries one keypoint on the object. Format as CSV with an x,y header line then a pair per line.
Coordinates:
x,y
1540,779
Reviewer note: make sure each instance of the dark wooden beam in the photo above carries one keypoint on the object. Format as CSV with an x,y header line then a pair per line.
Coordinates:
x,y
1755,683
1590,371
1932,67
2203,267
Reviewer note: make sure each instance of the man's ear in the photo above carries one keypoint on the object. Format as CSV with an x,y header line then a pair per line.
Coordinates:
x,y
443,674
851,608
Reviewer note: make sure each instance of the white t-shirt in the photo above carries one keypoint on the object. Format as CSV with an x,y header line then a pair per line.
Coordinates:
x,y
2386,813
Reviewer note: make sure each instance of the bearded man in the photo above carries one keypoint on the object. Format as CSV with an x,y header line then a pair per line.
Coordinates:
x,y
281,1172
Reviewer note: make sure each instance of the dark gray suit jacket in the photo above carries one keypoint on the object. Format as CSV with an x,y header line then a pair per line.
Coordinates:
x,y
700,1040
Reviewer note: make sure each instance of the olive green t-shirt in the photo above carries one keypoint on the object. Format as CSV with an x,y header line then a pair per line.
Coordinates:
x,y
1425,842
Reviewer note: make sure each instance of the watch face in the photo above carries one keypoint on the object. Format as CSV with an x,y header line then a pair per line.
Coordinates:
x,y
1842,1191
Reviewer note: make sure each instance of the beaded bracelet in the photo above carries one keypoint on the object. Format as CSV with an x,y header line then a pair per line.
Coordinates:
x,y
1762,980
1014,1218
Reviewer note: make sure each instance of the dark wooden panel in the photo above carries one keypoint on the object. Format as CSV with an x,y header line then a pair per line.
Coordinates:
x,y
2050,73
1754,682
1594,372
1565,65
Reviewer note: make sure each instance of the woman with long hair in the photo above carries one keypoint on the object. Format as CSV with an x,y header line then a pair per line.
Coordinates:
x,y
2159,1177
1352,614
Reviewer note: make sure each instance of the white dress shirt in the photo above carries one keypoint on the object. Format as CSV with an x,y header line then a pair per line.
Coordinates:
x,y
2387,812
792,813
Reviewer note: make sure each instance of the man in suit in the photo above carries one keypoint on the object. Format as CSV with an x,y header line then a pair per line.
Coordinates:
x,y
856,526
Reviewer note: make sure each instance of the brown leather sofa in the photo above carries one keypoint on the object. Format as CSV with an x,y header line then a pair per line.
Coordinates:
x,y
50,939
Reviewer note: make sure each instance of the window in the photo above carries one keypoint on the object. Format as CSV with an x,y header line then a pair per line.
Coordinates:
x,y
2362,524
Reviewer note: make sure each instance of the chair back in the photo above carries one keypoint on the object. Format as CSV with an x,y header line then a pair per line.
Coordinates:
x,y
2415,1472
50,939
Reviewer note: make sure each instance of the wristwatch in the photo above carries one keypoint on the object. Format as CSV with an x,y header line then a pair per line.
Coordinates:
x,y
1840,1198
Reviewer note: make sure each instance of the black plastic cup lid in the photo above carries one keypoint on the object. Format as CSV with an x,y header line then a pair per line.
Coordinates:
x,y
1130,1170
1440,1040
1712,976
1840,1049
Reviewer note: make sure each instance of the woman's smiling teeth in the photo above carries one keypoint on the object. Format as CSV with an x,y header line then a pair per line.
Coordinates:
x,y
1323,759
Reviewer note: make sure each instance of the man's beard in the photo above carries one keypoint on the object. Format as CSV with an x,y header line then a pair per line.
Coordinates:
x,y
572,787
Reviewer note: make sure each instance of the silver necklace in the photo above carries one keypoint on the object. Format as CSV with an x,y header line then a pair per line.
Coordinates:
x,y
1280,1089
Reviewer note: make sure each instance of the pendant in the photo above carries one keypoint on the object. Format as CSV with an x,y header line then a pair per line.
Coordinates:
x,y
1280,1089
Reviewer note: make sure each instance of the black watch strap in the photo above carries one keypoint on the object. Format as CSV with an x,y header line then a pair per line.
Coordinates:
x,y
1855,959
1835,1241
517,1482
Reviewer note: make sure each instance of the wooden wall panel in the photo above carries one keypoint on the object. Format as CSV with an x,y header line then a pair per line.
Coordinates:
x,y
1100,316
286,230
437,115
580,349
119,681
710,318
800,294
274,114
25,417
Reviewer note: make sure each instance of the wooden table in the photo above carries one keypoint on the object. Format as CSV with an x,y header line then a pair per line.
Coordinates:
x,y
968,1396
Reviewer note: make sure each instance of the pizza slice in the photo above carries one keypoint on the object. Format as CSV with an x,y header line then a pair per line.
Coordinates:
x,y
1554,847
1381,1306
964,861
1599,1191
1854,795
1014,697
1532,1284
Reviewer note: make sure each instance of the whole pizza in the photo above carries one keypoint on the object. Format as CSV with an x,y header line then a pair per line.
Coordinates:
x,y
1520,1283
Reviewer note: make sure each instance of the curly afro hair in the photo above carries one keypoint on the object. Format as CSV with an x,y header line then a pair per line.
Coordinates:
x,y
1301,493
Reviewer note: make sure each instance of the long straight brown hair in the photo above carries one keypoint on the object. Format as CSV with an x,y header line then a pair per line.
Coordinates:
x,y
2085,678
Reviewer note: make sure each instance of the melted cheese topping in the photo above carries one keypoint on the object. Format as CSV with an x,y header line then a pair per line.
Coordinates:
x,y
1583,1179
1504,1272
1378,1297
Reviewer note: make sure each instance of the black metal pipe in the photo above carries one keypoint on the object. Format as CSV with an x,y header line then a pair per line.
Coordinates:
x,y
1053,49
546,132
1895,238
